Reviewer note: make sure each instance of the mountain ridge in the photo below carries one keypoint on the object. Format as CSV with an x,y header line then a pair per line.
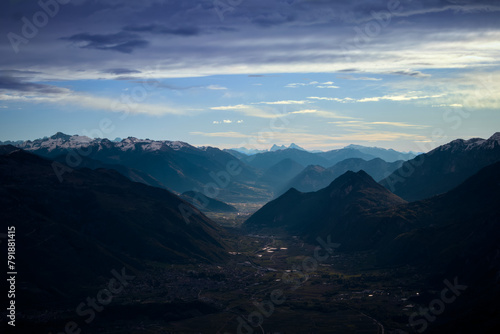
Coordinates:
x,y
443,168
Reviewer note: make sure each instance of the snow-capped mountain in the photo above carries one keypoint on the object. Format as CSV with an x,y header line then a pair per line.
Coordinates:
x,y
61,141
283,147
443,168
176,165
471,144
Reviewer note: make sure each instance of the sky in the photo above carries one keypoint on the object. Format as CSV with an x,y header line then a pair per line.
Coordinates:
x,y
402,74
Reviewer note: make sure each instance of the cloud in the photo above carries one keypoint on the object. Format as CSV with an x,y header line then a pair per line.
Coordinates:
x,y
251,110
227,121
230,134
410,73
301,84
350,77
89,101
123,42
20,90
284,102
215,87
273,18
327,84
336,99
453,105
400,124
365,125
121,71
17,84
317,139
400,97
235,107
321,113
306,111
359,125
165,30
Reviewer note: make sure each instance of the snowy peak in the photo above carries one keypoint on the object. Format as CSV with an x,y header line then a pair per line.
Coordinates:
x,y
60,135
283,147
295,146
472,144
277,148
63,141
495,137
132,143
57,141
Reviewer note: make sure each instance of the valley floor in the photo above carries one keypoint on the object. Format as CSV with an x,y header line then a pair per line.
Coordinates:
x,y
271,284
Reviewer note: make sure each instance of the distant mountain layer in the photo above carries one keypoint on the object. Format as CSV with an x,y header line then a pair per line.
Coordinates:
x,y
324,159
443,168
388,155
77,230
205,203
267,159
350,151
313,178
280,173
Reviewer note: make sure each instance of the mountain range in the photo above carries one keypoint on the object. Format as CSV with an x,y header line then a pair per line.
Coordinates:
x,y
73,232
339,210
443,168
327,159
174,165
437,213
454,236
181,167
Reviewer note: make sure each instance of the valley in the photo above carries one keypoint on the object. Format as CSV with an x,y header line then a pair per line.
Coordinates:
x,y
110,249
276,277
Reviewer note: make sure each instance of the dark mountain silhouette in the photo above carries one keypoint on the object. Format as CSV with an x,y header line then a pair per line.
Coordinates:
x,y
6,149
205,203
443,168
454,235
313,178
460,222
337,210
130,173
74,232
